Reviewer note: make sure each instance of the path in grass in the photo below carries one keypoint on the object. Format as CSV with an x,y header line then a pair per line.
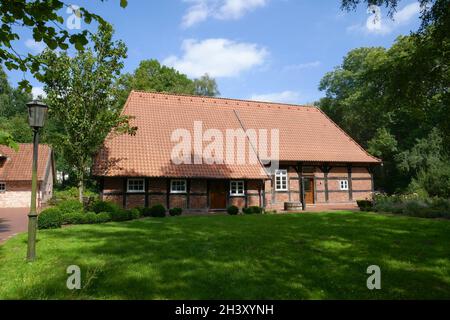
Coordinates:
x,y
300,256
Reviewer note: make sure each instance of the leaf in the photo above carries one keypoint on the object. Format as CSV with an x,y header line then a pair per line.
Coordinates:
x,y
123,3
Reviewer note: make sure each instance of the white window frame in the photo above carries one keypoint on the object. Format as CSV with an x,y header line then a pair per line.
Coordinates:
x,y
134,181
234,185
343,185
172,190
283,175
3,189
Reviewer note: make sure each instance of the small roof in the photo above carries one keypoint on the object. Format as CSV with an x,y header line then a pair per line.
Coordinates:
x,y
17,165
306,134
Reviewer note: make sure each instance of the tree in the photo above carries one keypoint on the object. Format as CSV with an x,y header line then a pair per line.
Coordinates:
x,y
7,140
152,76
80,92
206,86
403,89
42,18
12,100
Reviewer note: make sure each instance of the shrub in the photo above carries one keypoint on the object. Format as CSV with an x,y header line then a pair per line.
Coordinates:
x,y
252,210
73,218
120,215
146,212
175,212
68,206
70,194
158,211
90,218
50,219
105,206
103,217
134,214
233,210
365,205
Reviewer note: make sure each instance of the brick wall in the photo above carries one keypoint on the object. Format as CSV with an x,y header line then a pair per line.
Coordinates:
x,y
360,185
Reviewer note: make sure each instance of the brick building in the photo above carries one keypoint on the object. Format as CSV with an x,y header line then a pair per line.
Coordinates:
x,y
318,162
15,176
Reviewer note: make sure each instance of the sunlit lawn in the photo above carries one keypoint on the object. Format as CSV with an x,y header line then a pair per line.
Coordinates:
x,y
298,256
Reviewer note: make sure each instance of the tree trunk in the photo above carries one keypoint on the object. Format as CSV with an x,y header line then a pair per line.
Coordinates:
x,y
80,189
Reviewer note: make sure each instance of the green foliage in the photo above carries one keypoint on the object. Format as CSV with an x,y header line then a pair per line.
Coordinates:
x,y
206,86
389,100
383,144
50,219
152,76
44,20
90,218
158,211
233,210
252,210
103,217
146,212
74,218
68,206
134,214
7,140
105,206
60,195
120,215
79,90
413,205
175,212
365,205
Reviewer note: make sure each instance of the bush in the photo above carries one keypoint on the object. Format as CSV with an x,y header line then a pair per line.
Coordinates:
x,y
103,217
73,218
158,211
68,206
175,212
413,205
70,194
252,210
120,215
90,218
365,205
105,206
146,212
50,219
134,214
233,210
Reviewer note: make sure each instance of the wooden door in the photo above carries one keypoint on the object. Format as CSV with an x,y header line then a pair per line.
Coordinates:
x,y
218,191
309,190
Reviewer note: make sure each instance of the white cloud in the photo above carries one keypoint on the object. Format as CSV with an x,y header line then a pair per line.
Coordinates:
x,y
301,66
200,10
38,92
281,97
376,24
36,47
217,57
407,13
195,14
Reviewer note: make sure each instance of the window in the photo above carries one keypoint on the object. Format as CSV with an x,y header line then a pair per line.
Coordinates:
x,y
178,186
136,185
2,187
237,188
281,180
343,184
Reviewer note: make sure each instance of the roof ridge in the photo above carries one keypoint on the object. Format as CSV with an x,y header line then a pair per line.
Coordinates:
x,y
277,104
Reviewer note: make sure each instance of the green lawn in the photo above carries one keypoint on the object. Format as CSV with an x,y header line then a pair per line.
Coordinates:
x,y
298,256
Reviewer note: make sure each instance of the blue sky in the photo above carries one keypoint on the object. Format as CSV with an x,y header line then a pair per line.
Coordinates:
x,y
273,50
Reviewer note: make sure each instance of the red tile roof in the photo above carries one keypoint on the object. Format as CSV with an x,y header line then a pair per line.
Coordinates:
x,y
306,134
16,166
